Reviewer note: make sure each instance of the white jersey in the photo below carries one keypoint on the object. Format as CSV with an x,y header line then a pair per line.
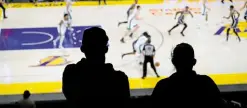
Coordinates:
x,y
63,27
133,15
140,42
132,21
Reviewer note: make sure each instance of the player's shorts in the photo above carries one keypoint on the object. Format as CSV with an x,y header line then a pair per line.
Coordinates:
x,y
61,31
131,24
234,24
137,47
180,21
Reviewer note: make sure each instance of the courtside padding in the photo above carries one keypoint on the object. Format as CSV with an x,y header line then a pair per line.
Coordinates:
x,y
135,83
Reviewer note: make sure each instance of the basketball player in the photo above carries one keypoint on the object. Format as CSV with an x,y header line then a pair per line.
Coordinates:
x,y
234,15
138,44
149,52
245,6
132,23
129,12
222,1
63,26
3,8
205,9
181,20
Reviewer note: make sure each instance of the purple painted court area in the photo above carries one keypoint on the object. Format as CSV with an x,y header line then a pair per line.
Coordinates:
x,y
39,38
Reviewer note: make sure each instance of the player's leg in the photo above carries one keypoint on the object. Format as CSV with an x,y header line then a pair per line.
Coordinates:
x,y
4,10
58,37
136,27
245,16
61,37
236,33
129,30
153,67
169,31
124,22
131,53
235,29
227,33
185,26
145,68
133,24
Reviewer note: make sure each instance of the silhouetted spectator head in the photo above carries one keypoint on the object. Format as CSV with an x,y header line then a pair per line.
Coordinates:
x,y
26,94
183,57
95,44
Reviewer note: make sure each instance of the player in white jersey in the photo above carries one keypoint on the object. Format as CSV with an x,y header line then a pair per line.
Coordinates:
x,y
132,23
205,9
129,12
138,44
234,15
181,18
245,14
62,28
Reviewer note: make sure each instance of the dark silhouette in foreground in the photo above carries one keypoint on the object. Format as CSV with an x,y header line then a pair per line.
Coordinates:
x,y
186,88
91,82
26,102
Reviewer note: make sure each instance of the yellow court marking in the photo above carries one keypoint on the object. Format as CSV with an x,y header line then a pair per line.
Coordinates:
x,y
95,3
135,83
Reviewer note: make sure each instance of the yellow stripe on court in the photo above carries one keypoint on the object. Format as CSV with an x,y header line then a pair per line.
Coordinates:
x,y
135,83
95,3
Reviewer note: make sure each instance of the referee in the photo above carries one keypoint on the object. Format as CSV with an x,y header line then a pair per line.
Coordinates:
x,y
3,8
149,52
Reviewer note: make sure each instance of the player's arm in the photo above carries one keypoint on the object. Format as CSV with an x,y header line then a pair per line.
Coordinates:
x,y
245,4
238,14
179,12
191,14
228,16
60,23
154,50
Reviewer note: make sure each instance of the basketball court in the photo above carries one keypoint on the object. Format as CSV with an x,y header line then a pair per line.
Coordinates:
x,y
28,59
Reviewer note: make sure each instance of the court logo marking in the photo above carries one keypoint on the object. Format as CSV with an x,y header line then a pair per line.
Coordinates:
x,y
172,11
241,29
53,61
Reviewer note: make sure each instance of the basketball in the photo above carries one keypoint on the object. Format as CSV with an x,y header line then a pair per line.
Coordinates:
x,y
157,64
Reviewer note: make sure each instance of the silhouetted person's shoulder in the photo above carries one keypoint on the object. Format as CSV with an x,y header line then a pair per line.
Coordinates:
x,y
177,79
187,89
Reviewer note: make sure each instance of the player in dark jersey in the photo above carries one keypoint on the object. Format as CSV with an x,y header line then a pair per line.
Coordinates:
x,y
181,20
234,15
245,14
129,12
